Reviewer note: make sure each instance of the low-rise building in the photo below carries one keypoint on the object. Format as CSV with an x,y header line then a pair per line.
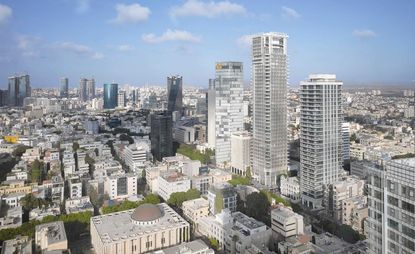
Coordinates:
x,y
193,247
216,226
75,188
51,237
78,205
121,186
222,196
171,182
290,188
286,223
354,212
195,209
20,245
240,152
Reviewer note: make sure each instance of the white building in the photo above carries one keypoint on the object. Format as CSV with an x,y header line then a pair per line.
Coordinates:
x,y
51,237
290,188
78,205
121,99
227,117
240,152
321,136
286,223
136,155
216,226
222,196
193,247
346,141
269,82
144,229
184,134
75,188
121,186
171,182
195,209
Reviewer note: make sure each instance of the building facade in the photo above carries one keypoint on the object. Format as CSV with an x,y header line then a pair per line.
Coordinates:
x,y
161,135
240,152
19,88
269,82
64,88
110,96
286,223
321,136
228,116
174,93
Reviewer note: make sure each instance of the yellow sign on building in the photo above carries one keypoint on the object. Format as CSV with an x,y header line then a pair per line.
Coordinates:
x,y
11,139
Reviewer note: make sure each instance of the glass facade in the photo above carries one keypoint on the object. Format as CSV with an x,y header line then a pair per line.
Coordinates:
x,y
161,135
64,88
174,93
110,96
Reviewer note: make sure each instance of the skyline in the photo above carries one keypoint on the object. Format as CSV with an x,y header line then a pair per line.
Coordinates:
x,y
147,41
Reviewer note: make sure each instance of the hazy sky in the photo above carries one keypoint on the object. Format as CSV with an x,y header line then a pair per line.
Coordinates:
x,y
142,42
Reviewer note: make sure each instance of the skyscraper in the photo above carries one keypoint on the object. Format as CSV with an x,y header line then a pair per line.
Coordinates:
x,y
64,88
110,96
321,153
90,89
269,81
227,116
161,135
121,97
174,93
19,88
83,89
391,199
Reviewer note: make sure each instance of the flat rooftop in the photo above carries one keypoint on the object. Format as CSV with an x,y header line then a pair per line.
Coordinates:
x,y
247,221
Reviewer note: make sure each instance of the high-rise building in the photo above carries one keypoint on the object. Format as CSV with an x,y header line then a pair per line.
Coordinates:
x,y
110,96
269,81
391,199
83,89
161,135
346,141
174,93
90,89
227,117
19,88
4,98
321,152
64,88
121,99
240,152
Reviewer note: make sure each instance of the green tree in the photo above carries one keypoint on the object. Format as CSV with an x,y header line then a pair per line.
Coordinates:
x,y
75,146
36,170
257,206
20,150
214,243
239,180
177,198
126,137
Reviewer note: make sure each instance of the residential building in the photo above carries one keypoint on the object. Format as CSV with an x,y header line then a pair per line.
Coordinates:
x,y
216,226
228,115
75,188
170,182
51,237
120,186
20,244
286,223
64,88
161,135
244,232
321,136
144,229
83,89
290,188
90,89
240,152
195,209
110,96
174,94
135,155
202,183
222,196
391,199
346,141
121,99
336,193
78,205
269,83
355,212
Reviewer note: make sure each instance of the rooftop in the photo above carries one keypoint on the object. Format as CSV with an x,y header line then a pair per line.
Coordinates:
x,y
55,231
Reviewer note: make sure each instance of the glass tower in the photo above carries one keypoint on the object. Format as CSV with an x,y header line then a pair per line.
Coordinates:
x,y
161,135
110,96
174,93
64,88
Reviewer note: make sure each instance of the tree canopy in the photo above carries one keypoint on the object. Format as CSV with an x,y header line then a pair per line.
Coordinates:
x,y
257,207
177,198
127,205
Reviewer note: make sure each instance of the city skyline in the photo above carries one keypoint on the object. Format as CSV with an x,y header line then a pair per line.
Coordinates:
x,y
187,38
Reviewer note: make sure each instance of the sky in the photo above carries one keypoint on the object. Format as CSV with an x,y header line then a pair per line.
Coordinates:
x,y
142,42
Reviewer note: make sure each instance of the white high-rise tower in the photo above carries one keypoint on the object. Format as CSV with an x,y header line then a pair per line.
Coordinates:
x,y
225,114
321,153
269,81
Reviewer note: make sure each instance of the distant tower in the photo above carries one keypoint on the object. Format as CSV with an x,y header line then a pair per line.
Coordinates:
x,y
19,88
174,94
64,88
321,153
269,81
227,115
161,135
90,89
121,99
83,89
110,96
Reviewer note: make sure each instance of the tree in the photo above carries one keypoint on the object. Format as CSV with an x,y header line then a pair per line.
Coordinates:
x,y
177,198
257,206
239,180
75,146
214,243
36,171
20,150
126,137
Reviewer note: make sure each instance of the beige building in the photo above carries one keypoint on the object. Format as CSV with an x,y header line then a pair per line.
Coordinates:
x,y
286,223
336,193
354,212
195,209
51,237
144,229
16,186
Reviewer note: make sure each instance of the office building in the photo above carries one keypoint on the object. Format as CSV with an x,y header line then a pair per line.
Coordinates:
x,y
269,83
321,136
83,89
19,88
120,186
161,135
240,152
135,155
144,229
64,88
90,89
391,199
174,94
346,141
227,88
110,96
51,237
4,98
286,223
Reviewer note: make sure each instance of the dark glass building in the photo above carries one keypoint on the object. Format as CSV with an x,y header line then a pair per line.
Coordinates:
x,y
19,88
110,96
64,88
174,93
161,135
